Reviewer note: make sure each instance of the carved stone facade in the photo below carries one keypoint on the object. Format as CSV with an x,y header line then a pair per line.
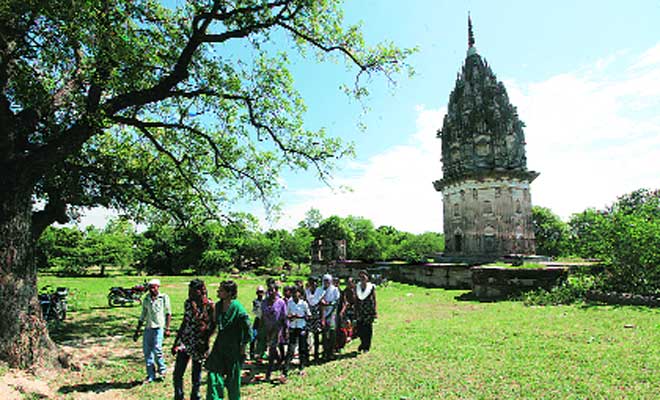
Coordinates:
x,y
485,185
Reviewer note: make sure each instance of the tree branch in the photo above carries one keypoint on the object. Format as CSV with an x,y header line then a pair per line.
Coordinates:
x,y
219,160
55,211
327,49
226,15
178,164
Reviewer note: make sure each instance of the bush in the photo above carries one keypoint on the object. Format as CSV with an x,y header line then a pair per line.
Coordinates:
x,y
626,237
634,264
550,232
214,261
572,290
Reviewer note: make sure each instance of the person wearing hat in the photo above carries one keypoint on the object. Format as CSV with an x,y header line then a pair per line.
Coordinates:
x,y
329,303
156,316
313,295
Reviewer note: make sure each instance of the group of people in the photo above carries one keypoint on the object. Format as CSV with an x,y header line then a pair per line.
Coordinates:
x,y
311,316
299,317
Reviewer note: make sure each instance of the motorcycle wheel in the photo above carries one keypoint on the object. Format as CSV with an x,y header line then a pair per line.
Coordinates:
x,y
114,301
61,312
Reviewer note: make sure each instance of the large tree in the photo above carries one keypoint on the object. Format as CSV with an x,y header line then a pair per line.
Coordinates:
x,y
127,103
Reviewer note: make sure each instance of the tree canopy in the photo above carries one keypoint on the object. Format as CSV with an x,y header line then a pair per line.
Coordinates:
x,y
126,103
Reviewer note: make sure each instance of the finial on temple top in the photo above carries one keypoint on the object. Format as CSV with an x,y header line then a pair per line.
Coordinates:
x,y
470,33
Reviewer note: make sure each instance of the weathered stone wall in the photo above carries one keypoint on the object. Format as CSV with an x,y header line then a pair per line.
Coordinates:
x,y
487,283
496,283
448,276
488,218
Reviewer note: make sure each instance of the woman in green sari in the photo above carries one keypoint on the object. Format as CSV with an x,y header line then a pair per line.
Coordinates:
x,y
226,358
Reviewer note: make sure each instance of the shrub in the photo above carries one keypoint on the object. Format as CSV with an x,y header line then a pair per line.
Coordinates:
x,y
550,231
572,290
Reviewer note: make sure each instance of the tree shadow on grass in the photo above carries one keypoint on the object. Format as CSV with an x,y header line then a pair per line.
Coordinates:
x,y
589,304
98,387
254,373
91,327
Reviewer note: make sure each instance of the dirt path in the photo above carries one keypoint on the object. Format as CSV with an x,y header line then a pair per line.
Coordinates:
x,y
61,384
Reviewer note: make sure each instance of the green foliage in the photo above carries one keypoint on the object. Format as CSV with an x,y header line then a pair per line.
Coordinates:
x,y
550,231
417,248
625,236
634,262
213,247
589,234
70,251
215,260
293,246
573,290
312,219
363,242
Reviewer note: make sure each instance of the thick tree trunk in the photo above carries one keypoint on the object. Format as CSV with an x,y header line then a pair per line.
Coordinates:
x,y
24,340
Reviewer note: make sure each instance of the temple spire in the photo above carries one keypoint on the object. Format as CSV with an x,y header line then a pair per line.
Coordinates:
x,y
470,34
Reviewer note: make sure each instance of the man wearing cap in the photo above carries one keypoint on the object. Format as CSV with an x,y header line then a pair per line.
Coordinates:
x,y
156,315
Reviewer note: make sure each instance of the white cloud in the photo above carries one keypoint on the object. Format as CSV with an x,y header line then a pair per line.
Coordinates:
x,y
96,216
651,57
391,188
594,134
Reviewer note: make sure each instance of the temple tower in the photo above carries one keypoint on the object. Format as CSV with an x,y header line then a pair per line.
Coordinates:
x,y
485,184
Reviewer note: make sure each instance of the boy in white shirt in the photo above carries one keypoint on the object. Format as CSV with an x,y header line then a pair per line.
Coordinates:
x,y
297,312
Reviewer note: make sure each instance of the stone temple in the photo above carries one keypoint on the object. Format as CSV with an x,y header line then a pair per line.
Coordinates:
x,y
485,183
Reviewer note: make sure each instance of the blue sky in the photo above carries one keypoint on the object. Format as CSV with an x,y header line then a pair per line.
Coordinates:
x,y
585,76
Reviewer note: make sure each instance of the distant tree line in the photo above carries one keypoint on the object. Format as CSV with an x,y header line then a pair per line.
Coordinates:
x,y
624,236
169,248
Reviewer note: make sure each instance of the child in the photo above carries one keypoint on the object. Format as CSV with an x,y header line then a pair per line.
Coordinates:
x,y
257,342
297,313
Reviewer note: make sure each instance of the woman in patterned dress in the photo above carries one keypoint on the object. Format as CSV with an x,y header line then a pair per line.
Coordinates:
x,y
192,339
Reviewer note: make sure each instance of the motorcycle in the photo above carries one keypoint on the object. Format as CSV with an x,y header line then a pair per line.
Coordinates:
x,y
53,303
379,280
119,296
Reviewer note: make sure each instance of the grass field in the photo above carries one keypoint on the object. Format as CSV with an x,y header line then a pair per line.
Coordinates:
x,y
427,345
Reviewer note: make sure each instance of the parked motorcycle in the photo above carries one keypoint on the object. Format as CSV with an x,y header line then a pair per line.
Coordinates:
x,y
119,296
379,280
53,303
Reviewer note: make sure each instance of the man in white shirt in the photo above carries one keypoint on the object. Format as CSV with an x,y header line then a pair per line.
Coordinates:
x,y
329,303
297,313
313,293
156,316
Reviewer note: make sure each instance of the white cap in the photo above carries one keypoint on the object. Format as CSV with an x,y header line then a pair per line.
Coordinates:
x,y
154,282
327,277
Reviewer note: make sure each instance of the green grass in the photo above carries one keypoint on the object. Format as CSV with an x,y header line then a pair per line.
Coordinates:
x,y
426,345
